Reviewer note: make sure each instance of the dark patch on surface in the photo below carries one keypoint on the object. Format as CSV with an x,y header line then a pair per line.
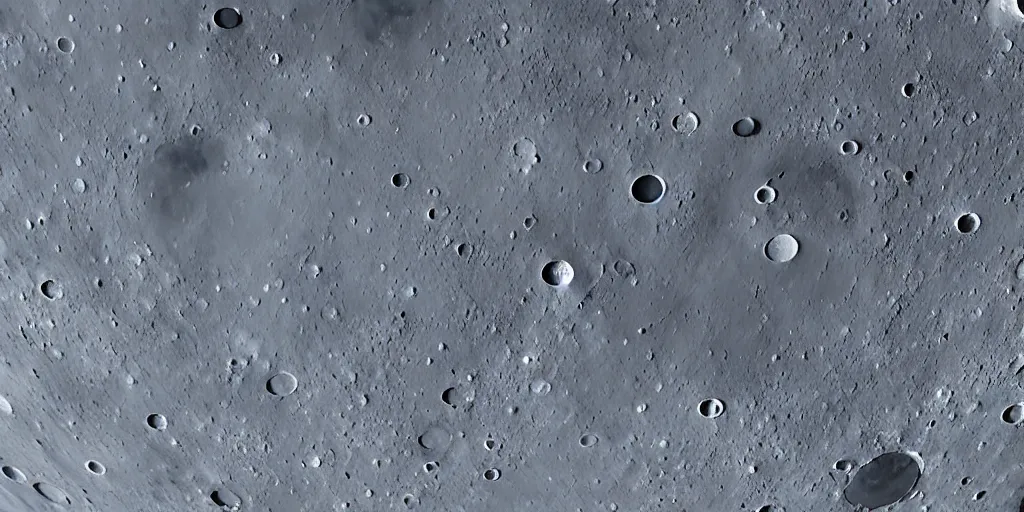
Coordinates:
x,y
814,187
377,19
179,196
168,180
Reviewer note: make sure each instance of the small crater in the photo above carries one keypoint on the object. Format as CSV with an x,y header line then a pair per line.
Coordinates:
x,y
450,397
282,384
1013,414
968,223
400,180
884,481
746,127
557,273
14,474
593,165
78,186
157,422
430,466
410,501
648,189
623,268
490,444
95,467
980,495
51,290
364,120
843,465
5,406
686,124
711,408
908,90
765,195
588,440
464,250
225,498
540,387
908,176
849,147
526,151
65,45
530,222
52,493
434,439
781,248
227,18
492,474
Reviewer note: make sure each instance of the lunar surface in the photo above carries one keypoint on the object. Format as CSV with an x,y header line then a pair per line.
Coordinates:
x,y
565,256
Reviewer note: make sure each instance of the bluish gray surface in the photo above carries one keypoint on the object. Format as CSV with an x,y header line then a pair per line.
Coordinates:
x,y
390,254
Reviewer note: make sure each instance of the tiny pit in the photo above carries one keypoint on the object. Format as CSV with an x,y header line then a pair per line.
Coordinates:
x,y
492,474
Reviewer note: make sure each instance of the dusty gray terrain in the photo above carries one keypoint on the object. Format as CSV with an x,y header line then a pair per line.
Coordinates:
x,y
599,255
